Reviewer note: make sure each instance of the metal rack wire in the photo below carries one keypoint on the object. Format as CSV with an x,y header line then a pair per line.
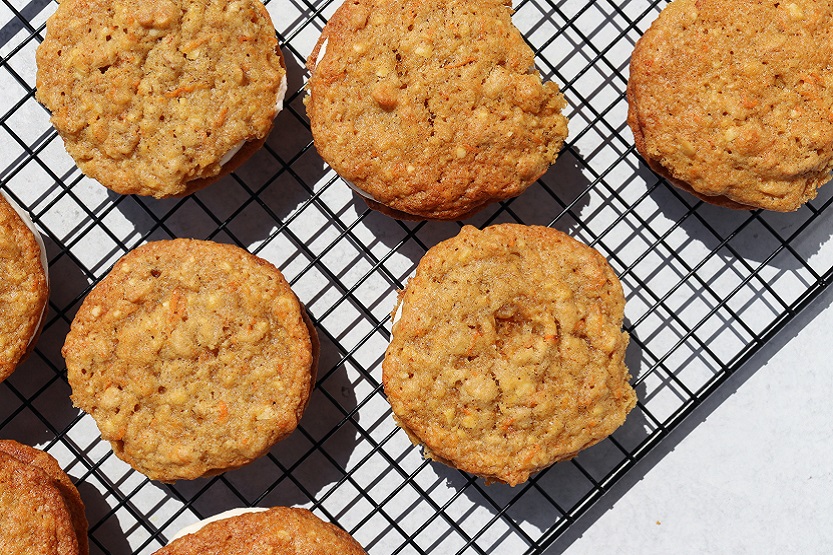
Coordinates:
x,y
706,288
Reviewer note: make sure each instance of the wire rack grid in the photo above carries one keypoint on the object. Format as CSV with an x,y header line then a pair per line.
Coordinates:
x,y
706,287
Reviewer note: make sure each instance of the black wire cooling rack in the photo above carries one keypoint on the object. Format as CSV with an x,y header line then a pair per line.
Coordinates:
x,y
706,287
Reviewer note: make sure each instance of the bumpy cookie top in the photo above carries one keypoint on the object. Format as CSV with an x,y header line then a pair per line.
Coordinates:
x,y
734,100
59,479
193,357
432,107
508,354
34,519
151,95
23,288
279,530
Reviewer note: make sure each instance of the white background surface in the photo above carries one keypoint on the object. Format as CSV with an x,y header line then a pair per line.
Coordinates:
x,y
750,471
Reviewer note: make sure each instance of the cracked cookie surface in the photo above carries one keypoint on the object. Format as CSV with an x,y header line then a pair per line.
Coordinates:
x,y
193,358
508,351
155,97
733,101
432,108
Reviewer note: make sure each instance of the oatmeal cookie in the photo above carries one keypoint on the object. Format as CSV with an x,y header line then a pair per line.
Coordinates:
x,y
53,471
24,287
507,352
432,108
193,357
277,530
733,101
34,518
160,97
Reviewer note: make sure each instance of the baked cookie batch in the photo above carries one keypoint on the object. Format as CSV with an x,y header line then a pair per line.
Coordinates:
x,y
507,352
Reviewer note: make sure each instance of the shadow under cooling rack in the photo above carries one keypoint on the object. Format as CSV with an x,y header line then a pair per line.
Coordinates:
x,y
706,288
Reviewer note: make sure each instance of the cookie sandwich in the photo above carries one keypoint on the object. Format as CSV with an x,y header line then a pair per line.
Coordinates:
x,y
431,109
193,357
507,352
24,285
160,98
733,101
42,512
277,530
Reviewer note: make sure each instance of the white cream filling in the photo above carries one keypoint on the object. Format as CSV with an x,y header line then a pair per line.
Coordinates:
x,y
278,107
43,261
321,52
191,528
319,57
231,153
396,315
400,303
359,191
281,95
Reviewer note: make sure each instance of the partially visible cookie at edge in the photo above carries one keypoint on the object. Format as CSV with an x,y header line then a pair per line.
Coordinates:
x,y
160,98
60,480
276,530
34,517
193,357
507,351
432,109
733,102
24,288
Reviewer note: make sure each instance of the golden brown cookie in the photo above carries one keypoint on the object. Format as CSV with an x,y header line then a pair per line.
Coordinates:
x,y
193,357
160,97
279,530
50,467
34,518
732,101
24,288
432,107
507,352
